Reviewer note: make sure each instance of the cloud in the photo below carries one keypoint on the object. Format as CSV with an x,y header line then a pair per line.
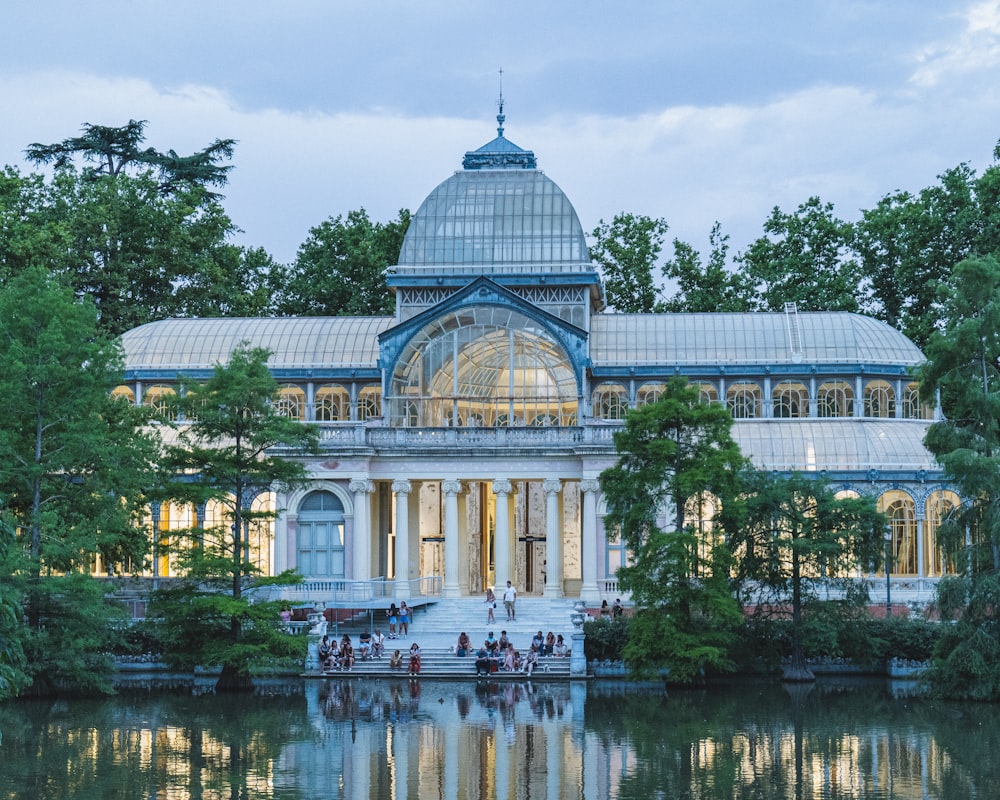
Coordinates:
x,y
976,49
692,164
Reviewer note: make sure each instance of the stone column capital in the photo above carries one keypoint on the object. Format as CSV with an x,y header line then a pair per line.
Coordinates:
x,y
451,487
552,486
362,486
503,487
588,485
402,486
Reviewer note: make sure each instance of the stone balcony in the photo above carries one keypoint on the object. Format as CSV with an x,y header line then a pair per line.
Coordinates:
x,y
372,438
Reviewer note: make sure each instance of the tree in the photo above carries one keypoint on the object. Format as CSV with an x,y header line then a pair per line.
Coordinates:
x,y
908,243
73,469
675,453
708,288
963,371
341,268
805,257
226,453
626,250
796,537
140,231
113,149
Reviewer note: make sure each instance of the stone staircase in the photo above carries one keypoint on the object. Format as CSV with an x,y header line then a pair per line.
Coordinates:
x,y
436,627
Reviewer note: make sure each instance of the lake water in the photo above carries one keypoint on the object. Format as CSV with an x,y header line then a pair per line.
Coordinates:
x,y
426,740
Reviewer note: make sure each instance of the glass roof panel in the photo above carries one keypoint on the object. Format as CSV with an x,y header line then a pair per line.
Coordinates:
x,y
294,342
811,445
758,338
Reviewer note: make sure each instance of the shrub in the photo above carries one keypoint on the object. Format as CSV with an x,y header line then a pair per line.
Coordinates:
x,y
606,639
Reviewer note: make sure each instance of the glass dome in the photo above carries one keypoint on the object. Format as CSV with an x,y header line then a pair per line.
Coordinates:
x,y
497,217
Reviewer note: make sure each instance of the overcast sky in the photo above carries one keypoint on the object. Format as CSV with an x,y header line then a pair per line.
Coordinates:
x,y
695,112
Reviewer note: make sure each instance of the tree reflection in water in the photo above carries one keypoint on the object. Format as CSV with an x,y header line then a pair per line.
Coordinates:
x,y
398,738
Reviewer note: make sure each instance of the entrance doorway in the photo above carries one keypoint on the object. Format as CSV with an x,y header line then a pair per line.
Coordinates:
x,y
534,564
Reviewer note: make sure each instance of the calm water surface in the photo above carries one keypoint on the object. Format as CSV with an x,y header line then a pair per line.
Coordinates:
x,y
426,740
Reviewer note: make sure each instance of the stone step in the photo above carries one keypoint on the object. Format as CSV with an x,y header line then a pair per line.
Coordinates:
x,y
437,624
440,663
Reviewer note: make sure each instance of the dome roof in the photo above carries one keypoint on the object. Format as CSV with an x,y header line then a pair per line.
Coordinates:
x,y
628,340
170,346
498,215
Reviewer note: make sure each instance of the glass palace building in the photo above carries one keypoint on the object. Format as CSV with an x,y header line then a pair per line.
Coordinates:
x,y
463,437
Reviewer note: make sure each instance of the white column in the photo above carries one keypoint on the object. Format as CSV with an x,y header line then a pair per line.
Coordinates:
x,y
502,489
402,553
921,566
553,539
451,490
589,590
362,537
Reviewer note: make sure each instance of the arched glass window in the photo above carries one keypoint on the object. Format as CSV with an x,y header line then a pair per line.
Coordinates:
x,y
880,400
333,404
291,402
260,532
791,400
369,403
483,363
649,393
320,536
835,399
124,392
744,400
610,401
912,407
939,506
900,511
707,393
157,398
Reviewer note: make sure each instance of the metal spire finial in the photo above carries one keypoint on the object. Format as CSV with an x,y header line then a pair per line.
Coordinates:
x,y
500,116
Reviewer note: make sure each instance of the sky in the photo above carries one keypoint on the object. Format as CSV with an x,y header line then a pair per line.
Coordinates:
x,y
696,112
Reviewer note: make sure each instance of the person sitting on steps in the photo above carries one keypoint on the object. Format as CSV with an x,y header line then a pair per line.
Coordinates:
x,y
464,645
396,660
414,659
378,644
482,661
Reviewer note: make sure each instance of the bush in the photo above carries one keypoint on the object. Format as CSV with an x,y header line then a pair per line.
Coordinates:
x,y
860,638
606,639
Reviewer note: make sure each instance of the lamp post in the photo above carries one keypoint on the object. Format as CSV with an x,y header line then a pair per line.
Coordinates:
x,y
887,536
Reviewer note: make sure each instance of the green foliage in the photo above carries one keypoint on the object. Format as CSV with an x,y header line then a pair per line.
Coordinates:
x,y
711,287
908,243
341,268
137,231
197,629
804,257
606,638
795,539
832,631
672,453
13,665
227,452
68,650
74,467
967,658
626,250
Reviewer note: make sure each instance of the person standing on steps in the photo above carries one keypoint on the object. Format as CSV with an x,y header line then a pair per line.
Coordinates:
x,y
391,614
491,604
509,601
404,618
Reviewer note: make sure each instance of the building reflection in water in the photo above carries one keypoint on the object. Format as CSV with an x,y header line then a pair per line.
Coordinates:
x,y
398,739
